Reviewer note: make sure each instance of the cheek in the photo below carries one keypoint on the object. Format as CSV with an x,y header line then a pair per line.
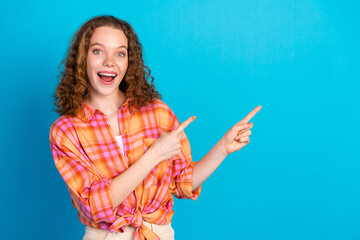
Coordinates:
x,y
88,65
92,64
90,70
125,65
122,66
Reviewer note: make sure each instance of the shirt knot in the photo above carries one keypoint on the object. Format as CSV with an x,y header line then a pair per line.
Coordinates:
x,y
137,219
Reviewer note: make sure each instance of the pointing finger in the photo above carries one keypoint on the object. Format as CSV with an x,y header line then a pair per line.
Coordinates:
x,y
184,125
250,115
239,127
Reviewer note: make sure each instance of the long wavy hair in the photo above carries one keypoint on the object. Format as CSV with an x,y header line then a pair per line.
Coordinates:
x,y
73,87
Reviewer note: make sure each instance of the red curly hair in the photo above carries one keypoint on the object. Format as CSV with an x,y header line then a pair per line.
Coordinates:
x,y
73,87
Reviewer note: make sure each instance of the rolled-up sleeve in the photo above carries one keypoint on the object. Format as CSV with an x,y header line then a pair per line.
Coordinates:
x,y
90,192
181,185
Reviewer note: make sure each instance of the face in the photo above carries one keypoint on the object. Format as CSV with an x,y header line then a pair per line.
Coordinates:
x,y
106,62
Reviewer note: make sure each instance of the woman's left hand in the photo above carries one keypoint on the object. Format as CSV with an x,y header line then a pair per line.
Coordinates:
x,y
238,136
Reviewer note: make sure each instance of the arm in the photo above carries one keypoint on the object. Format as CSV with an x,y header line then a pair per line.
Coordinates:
x,y
233,140
166,146
124,184
97,197
89,192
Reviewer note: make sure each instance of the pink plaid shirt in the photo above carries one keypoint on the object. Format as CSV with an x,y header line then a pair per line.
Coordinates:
x,y
88,158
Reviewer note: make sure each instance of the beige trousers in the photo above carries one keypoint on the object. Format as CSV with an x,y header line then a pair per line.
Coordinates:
x,y
164,232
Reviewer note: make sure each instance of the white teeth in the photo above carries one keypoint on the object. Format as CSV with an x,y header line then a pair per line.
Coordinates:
x,y
107,74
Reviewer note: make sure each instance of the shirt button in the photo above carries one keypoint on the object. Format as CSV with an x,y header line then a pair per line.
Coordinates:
x,y
129,155
125,131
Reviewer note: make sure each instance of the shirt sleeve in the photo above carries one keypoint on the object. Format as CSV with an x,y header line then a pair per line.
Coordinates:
x,y
181,184
90,192
182,168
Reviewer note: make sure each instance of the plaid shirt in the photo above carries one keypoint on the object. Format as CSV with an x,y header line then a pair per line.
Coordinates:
x,y
88,157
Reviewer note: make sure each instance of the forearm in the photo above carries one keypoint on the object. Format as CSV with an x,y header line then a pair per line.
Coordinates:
x,y
166,146
124,184
208,164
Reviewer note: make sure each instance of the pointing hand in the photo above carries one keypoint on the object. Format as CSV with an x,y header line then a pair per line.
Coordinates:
x,y
169,144
238,136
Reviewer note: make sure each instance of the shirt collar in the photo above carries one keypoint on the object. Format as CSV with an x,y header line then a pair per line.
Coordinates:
x,y
86,112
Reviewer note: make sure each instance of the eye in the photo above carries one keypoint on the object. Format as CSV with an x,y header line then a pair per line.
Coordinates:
x,y
97,51
121,54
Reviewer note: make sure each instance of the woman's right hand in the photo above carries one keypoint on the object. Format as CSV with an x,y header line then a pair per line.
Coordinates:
x,y
168,144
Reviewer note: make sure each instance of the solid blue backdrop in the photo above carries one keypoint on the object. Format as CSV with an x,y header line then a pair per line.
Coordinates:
x,y
297,179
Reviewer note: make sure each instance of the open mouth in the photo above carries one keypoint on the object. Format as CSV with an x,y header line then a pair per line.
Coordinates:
x,y
107,77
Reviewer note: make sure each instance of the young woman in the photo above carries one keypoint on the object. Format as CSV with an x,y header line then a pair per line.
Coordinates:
x,y
121,150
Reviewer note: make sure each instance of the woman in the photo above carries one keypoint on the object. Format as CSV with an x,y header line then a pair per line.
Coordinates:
x,y
120,149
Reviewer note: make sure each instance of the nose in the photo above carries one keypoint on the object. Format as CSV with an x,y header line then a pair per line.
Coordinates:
x,y
108,61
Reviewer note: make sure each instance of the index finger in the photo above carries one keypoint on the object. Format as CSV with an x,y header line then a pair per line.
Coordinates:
x,y
250,115
184,125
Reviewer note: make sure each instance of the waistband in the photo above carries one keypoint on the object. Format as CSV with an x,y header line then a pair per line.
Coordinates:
x,y
128,232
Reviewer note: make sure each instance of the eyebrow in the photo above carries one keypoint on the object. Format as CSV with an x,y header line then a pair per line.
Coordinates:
x,y
96,43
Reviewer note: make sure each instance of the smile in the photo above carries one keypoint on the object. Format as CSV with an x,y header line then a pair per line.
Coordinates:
x,y
107,77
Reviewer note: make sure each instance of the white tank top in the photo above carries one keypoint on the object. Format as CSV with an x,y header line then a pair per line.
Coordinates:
x,y
120,143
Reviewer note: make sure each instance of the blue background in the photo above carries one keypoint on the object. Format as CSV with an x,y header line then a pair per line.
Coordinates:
x,y
297,179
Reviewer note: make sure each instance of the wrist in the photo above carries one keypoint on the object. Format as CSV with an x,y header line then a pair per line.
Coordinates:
x,y
151,157
222,147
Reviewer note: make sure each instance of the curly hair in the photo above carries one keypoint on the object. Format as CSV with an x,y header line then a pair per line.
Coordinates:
x,y
73,87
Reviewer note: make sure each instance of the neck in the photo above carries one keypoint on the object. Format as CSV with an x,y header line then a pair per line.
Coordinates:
x,y
107,104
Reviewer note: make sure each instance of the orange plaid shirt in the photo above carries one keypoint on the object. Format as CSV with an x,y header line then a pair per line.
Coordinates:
x,y
88,157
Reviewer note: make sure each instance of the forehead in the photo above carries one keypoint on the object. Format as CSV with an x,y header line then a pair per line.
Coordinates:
x,y
108,36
